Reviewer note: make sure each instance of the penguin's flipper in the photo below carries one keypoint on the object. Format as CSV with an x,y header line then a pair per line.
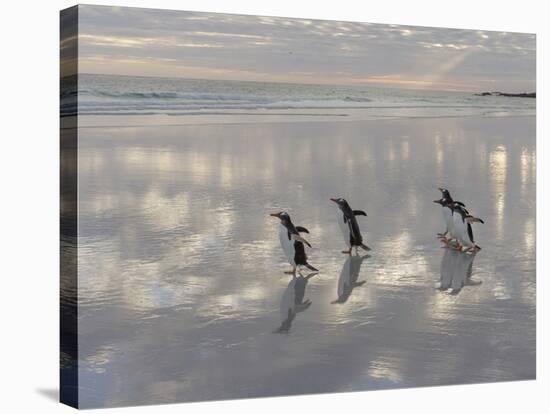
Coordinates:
x,y
472,219
365,247
359,213
301,229
300,238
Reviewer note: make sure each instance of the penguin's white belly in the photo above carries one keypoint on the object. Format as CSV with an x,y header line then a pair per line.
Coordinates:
x,y
287,245
461,230
458,227
344,228
448,218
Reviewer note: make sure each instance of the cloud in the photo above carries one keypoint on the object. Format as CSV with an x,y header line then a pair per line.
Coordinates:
x,y
173,43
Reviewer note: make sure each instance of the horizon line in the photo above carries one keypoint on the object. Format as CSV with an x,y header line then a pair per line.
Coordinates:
x,y
365,84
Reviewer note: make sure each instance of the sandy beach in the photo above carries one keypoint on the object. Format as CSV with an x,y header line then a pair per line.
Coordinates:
x,y
176,243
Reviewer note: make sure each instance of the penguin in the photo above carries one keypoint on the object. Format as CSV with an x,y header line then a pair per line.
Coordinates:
x,y
293,301
349,226
446,202
348,278
446,208
292,243
462,228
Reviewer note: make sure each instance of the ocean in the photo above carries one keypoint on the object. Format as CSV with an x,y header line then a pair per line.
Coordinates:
x,y
207,101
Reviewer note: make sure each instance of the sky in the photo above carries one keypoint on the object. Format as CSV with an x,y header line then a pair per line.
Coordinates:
x,y
162,43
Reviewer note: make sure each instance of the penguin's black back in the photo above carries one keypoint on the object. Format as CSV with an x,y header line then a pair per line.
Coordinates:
x,y
470,233
300,257
355,233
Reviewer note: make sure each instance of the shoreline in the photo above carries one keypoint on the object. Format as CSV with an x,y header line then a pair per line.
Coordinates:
x,y
309,121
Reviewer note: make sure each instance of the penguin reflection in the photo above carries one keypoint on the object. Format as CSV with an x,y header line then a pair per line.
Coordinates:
x,y
348,277
456,271
293,301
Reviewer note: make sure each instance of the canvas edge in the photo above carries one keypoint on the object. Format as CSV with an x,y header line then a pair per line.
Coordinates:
x,y
68,213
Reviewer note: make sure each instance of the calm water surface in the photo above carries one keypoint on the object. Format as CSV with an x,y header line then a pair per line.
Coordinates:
x,y
182,294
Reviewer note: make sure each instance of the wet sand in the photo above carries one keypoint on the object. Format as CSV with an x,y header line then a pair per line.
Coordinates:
x,y
182,295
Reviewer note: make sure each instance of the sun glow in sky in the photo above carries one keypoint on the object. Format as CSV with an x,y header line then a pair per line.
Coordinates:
x,y
149,42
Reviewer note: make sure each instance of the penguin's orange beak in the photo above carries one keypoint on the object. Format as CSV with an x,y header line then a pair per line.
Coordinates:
x,y
275,215
333,199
